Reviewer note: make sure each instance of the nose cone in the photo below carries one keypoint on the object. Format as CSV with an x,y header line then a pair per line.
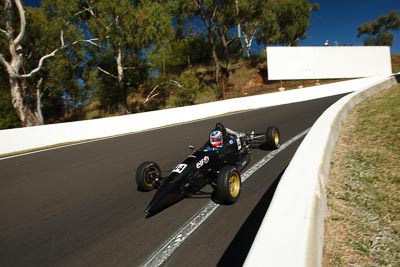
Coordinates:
x,y
167,195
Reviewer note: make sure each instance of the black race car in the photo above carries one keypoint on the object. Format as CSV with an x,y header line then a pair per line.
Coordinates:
x,y
218,166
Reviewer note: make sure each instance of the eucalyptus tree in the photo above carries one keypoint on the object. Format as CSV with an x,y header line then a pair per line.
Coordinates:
x,y
207,11
294,19
28,39
125,29
227,18
188,46
258,21
12,37
219,17
61,79
378,31
266,21
274,22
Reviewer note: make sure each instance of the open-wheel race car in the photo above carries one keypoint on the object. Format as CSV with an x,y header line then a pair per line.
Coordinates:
x,y
217,163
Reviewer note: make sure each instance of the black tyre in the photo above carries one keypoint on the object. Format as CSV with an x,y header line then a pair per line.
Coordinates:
x,y
228,185
273,138
146,174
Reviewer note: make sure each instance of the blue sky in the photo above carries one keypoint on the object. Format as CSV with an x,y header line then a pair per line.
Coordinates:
x,y
337,20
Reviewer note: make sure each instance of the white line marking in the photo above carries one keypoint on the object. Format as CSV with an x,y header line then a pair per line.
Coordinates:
x,y
166,250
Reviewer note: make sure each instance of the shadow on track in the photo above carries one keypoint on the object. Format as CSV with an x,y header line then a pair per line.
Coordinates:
x,y
236,253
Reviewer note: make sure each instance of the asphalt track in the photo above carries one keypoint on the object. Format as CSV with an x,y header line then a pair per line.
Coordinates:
x,y
78,205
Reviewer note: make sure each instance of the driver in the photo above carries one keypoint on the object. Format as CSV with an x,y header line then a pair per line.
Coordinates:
x,y
216,139
219,135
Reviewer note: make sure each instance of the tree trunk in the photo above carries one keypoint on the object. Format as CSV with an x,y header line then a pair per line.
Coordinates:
x,y
208,23
28,113
214,55
122,94
225,45
248,42
26,105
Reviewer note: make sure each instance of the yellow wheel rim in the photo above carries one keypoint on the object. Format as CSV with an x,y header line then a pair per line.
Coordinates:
x,y
234,184
150,175
276,137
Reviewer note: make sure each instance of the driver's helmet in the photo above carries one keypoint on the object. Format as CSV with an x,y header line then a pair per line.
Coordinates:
x,y
216,138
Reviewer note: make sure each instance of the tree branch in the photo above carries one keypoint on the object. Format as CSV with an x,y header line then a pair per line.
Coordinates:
x,y
89,9
90,41
52,54
40,65
150,96
4,31
62,38
22,20
107,73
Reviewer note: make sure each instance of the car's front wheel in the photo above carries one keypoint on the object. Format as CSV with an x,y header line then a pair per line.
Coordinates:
x,y
228,185
146,174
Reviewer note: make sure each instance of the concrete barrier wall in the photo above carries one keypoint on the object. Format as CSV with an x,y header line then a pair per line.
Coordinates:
x,y
290,63
292,231
21,139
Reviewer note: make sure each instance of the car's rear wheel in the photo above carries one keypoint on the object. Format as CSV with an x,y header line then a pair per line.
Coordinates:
x,y
146,174
228,185
273,138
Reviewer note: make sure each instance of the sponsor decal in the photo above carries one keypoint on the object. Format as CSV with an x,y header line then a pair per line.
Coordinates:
x,y
203,161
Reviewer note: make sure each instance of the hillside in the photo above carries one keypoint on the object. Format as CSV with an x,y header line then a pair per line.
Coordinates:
x,y
248,78
251,81
395,63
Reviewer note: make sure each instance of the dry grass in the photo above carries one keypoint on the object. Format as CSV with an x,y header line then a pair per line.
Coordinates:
x,y
363,223
395,63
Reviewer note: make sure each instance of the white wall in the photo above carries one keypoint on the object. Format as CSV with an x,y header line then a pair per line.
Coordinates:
x,y
328,62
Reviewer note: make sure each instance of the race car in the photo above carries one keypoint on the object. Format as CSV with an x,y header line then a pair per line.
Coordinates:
x,y
217,163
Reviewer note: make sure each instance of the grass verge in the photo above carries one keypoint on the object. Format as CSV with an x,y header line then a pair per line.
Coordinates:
x,y
362,227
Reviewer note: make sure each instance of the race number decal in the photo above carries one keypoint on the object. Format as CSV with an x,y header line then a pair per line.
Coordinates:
x,y
180,168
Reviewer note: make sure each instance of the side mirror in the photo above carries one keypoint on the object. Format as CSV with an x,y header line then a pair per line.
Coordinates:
x,y
191,147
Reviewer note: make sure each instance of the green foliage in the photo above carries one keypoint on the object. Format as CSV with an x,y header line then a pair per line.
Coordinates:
x,y
261,20
283,22
44,29
125,30
378,31
175,56
188,91
293,19
134,41
198,50
61,92
8,118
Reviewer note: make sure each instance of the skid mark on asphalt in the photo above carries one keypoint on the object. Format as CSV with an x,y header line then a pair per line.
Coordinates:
x,y
166,250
